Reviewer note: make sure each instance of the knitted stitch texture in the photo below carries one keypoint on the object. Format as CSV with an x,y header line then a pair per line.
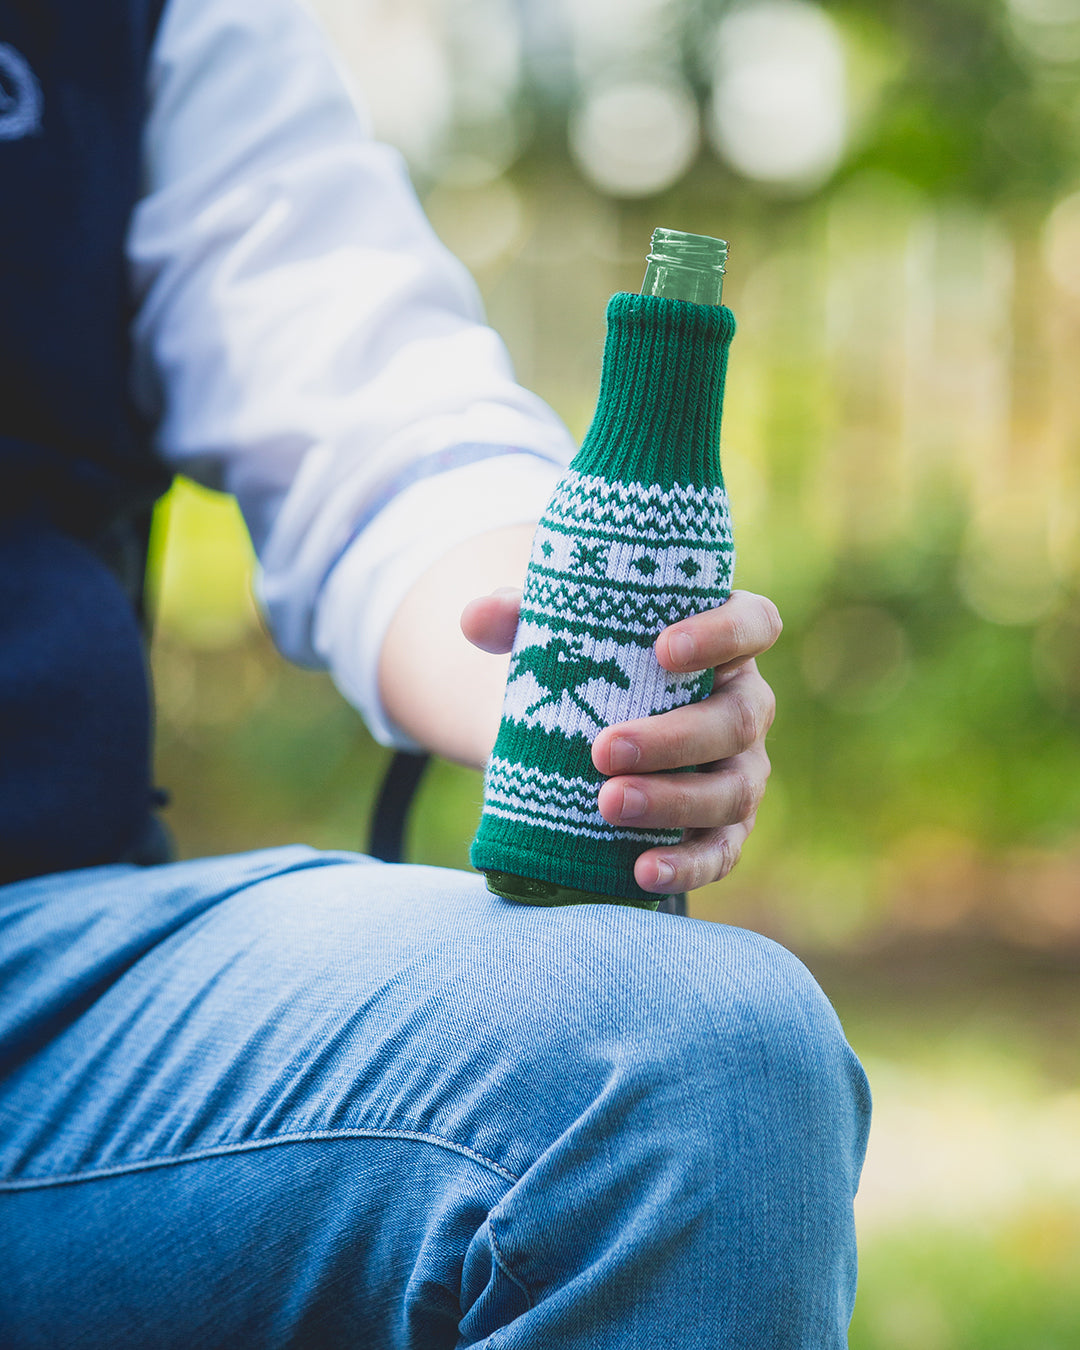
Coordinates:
x,y
636,537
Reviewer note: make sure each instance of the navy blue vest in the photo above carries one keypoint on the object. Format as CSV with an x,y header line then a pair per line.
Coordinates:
x,y
77,476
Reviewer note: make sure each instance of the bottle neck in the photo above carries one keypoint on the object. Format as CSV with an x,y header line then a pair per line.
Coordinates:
x,y
686,267
657,416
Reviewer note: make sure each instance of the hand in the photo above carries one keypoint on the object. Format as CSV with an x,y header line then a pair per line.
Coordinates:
x,y
724,735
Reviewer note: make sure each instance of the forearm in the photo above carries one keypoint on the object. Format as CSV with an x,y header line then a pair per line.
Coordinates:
x,y
435,685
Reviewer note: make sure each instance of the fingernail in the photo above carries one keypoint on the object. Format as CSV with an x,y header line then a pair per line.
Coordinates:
x,y
681,649
501,591
665,874
633,804
623,755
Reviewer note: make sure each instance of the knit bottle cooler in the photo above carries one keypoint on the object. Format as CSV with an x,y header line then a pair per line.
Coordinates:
x,y
637,536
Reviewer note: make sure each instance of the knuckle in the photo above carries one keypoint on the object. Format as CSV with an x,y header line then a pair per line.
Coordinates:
x,y
713,862
693,871
746,797
727,856
746,719
737,798
774,624
739,630
768,699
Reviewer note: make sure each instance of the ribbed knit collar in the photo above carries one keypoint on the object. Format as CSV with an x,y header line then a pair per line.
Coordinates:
x,y
657,416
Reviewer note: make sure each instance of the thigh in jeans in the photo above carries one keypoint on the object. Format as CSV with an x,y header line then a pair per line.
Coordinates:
x,y
307,1099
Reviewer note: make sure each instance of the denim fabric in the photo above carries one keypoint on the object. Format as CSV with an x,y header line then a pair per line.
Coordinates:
x,y
303,1099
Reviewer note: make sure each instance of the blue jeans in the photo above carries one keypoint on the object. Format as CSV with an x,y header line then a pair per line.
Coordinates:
x,y
308,1099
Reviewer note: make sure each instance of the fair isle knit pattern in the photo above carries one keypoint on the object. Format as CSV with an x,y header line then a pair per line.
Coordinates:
x,y
636,536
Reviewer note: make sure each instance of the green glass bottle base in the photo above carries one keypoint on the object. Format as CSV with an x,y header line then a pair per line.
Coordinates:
x,y
528,891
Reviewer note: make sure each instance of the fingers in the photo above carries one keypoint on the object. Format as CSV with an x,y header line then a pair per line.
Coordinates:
x,y
735,716
721,795
737,631
706,855
725,733
717,806
490,621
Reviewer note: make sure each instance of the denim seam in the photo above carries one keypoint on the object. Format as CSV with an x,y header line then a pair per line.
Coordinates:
x,y
504,1265
223,1150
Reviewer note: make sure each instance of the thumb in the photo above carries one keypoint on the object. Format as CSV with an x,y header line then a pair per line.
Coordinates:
x,y
490,621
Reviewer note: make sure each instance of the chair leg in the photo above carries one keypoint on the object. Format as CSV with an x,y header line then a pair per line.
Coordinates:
x,y
387,838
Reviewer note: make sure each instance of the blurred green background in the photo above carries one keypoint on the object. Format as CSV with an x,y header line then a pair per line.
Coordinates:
x,y
900,183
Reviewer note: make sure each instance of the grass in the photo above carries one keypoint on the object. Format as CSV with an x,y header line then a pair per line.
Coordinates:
x,y
934,1287
969,1210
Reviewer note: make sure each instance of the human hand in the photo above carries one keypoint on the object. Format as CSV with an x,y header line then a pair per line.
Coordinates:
x,y
723,735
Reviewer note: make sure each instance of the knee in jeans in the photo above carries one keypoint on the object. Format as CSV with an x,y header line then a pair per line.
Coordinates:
x,y
696,1007
767,1033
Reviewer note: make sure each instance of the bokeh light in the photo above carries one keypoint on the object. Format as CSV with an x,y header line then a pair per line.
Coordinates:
x,y
403,71
1061,244
637,138
482,225
1005,572
620,34
779,107
1049,29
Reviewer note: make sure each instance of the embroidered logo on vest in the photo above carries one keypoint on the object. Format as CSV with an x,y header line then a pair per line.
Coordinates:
x,y
20,96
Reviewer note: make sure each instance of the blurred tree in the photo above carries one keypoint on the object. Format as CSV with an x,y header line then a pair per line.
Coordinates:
x,y
969,111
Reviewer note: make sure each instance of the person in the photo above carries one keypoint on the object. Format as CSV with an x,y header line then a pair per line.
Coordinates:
x,y
301,1098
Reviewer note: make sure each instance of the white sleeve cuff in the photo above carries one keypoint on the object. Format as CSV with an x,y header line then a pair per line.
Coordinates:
x,y
417,527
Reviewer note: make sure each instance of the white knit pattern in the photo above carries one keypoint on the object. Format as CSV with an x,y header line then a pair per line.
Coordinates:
x,y
604,506
520,792
612,565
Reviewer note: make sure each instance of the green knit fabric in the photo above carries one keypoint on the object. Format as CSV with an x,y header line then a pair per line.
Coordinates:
x,y
636,536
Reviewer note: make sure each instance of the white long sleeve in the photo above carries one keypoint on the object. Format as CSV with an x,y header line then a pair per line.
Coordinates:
x,y
304,341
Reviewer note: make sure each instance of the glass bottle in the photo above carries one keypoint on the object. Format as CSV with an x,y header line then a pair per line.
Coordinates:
x,y
664,361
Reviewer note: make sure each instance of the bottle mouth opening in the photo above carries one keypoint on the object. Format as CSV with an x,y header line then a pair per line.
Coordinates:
x,y
675,248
